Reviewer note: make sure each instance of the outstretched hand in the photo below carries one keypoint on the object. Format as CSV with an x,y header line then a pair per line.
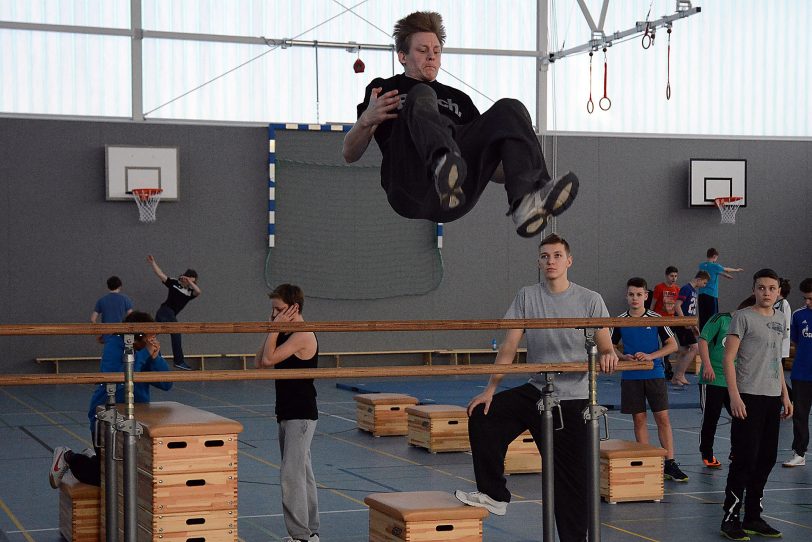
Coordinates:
x,y
382,107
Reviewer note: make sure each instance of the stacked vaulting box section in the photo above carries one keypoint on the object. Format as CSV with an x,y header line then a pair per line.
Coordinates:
x,y
187,474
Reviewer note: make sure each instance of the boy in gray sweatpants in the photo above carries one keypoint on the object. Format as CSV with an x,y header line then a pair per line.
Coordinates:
x,y
296,412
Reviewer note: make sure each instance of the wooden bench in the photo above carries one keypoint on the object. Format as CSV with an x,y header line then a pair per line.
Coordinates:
x,y
425,353
465,354
57,360
246,360
422,516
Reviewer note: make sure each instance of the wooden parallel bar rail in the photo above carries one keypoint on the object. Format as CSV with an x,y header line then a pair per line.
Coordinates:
x,y
286,374
338,327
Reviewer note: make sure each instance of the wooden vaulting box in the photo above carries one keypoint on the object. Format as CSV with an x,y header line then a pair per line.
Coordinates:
x,y
383,414
631,471
523,455
423,516
187,474
439,428
79,510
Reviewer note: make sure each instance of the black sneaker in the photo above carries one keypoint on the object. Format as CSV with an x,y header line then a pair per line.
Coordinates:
x,y
761,528
671,471
183,366
449,174
530,215
732,530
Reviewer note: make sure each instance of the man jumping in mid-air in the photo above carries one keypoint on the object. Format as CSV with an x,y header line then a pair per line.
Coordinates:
x,y
439,152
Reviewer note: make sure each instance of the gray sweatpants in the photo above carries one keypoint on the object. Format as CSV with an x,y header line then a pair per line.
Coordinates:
x,y
300,504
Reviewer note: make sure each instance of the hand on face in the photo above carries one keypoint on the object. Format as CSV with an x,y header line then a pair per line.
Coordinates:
x,y
150,342
287,314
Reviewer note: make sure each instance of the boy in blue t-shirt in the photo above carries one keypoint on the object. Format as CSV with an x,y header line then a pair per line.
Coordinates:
x,y
801,376
112,307
649,343
708,300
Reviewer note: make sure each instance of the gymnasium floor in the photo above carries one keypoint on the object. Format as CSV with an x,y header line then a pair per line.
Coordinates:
x,y
350,464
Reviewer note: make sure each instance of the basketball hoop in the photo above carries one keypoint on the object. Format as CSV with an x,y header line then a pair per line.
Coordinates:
x,y
727,208
147,201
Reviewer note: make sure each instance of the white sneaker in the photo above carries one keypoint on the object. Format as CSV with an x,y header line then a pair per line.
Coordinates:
x,y
555,197
449,174
313,538
58,466
480,500
796,461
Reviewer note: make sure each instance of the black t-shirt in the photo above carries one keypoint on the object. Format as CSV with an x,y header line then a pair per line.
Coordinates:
x,y
178,296
296,399
453,103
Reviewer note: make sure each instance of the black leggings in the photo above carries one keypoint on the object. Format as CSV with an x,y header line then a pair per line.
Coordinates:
x,y
714,398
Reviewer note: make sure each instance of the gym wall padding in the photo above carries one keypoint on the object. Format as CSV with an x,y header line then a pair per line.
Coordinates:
x,y
60,240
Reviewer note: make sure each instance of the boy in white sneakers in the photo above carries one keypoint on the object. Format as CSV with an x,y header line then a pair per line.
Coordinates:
x,y
801,376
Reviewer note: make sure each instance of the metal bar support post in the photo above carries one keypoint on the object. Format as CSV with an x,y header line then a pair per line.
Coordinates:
x,y
548,402
592,415
131,429
106,422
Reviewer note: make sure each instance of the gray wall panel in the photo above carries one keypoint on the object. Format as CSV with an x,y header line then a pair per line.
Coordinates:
x,y
61,239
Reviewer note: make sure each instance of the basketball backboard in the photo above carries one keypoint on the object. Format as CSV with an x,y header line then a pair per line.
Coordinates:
x,y
130,168
711,179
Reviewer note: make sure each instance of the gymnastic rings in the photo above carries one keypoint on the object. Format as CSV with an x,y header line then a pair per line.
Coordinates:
x,y
590,105
648,38
605,103
668,82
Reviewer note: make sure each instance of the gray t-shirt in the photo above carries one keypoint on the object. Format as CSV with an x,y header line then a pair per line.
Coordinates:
x,y
758,362
558,345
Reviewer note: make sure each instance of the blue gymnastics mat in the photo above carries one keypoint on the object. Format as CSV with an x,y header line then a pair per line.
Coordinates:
x,y
460,390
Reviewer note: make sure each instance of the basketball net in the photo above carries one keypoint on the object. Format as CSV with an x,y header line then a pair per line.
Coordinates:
x,y
728,208
147,201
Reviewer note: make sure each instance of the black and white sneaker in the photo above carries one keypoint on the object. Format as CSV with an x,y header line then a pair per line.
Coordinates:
x,y
449,174
555,197
183,366
59,466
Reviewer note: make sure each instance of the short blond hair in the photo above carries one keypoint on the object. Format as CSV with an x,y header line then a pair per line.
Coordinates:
x,y
419,21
